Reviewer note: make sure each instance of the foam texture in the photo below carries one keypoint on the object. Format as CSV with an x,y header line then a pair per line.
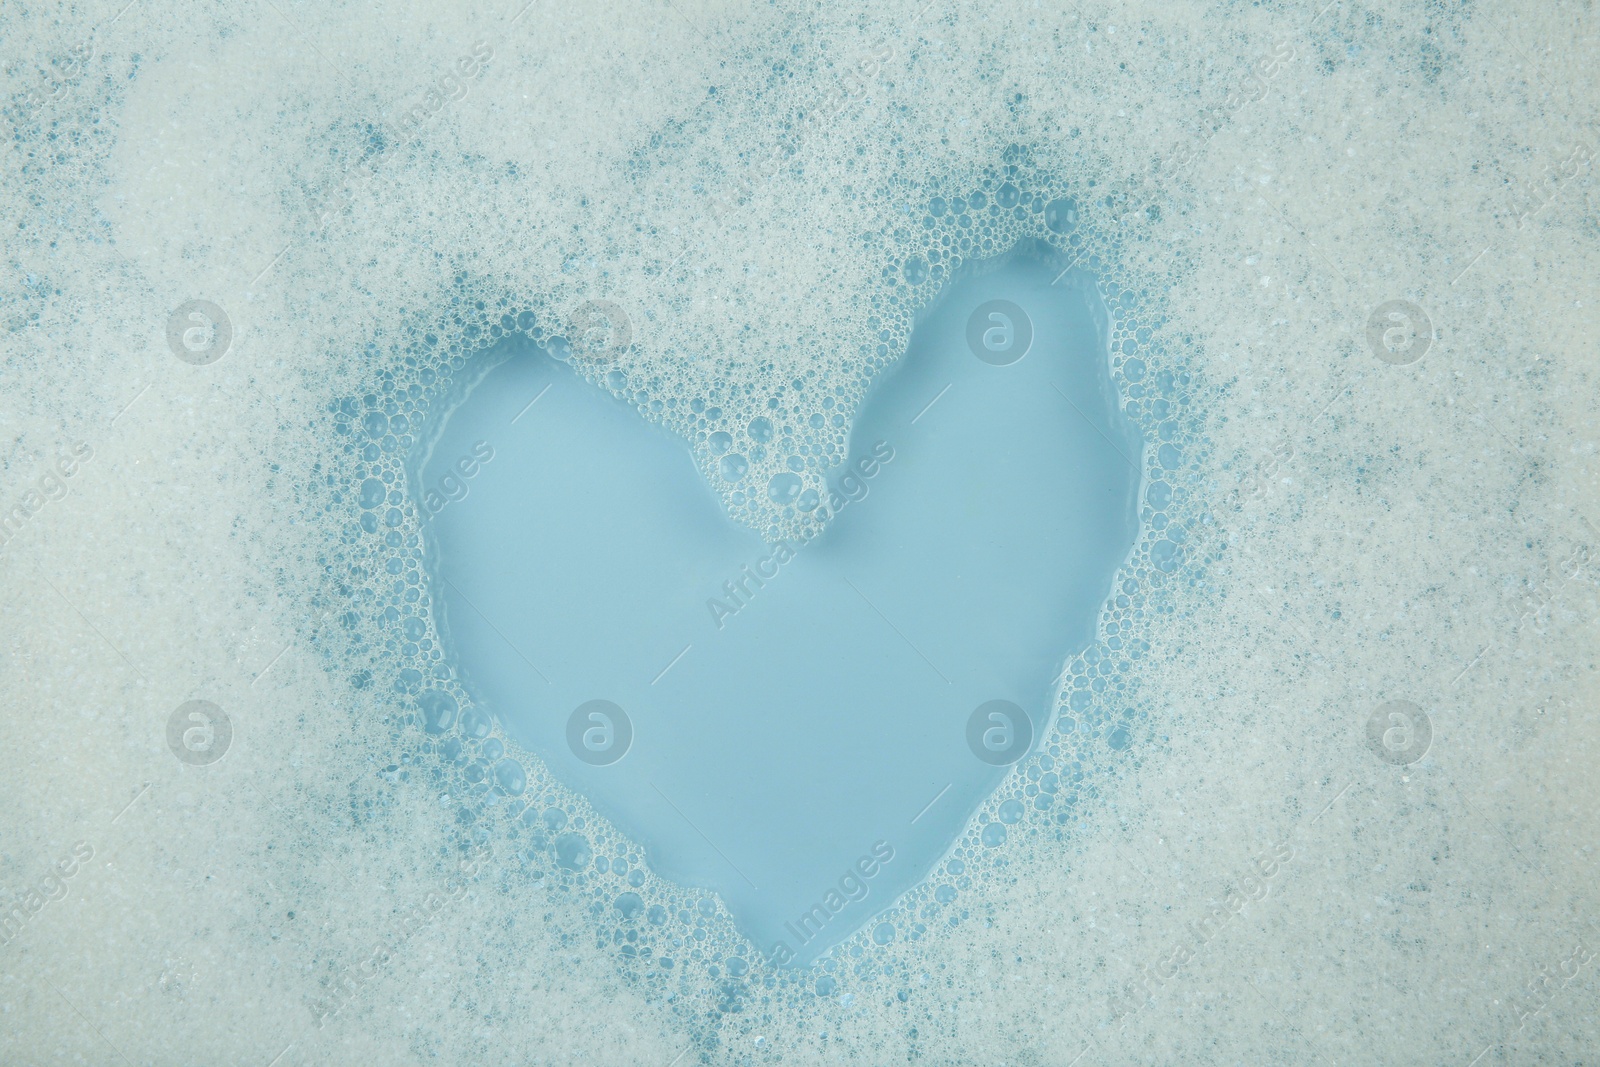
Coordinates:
x,y
728,215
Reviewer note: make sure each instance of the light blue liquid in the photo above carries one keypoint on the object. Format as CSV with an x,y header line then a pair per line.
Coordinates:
x,y
792,733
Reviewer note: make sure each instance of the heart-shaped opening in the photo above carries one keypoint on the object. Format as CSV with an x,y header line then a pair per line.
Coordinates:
x,y
802,727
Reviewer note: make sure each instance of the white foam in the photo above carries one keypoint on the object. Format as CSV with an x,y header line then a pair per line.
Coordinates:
x,y
1394,554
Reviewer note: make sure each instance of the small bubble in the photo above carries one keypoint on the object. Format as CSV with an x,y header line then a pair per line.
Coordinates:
x,y
373,493
733,467
475,723
510,776
783,488
1061,215
629,905
438,710
573,852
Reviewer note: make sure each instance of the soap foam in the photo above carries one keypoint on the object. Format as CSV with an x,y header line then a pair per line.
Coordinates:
x,y
614,155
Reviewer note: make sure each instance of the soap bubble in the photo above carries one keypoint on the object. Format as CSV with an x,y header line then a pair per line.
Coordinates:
x,y
629,905
438,710
1061,215
783,488
510,776
475,723
573,852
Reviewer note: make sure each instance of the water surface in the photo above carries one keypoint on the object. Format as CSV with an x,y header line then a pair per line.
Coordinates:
x,y
795,726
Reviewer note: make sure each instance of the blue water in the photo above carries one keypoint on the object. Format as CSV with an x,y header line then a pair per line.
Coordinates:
x,y
803,729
